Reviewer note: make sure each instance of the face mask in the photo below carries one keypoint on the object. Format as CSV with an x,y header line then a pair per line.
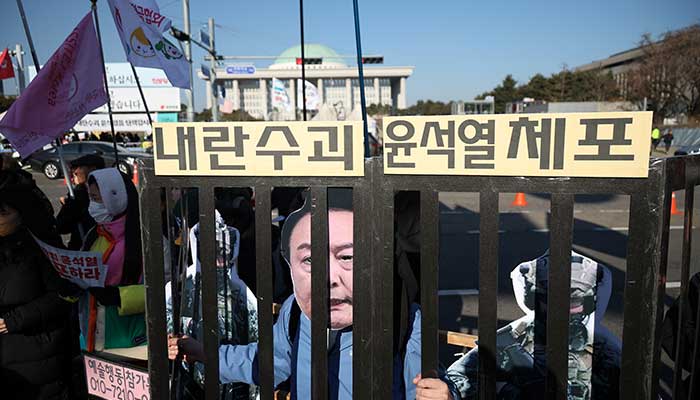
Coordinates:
x,y
99,212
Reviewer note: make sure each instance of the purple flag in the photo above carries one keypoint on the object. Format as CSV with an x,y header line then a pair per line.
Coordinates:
x,y
68,87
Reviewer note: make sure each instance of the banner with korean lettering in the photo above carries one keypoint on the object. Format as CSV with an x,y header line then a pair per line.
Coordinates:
x,y
83,268
604,144
259,148
112,381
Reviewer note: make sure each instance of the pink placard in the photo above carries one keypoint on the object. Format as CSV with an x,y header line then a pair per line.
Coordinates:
x,y
111,381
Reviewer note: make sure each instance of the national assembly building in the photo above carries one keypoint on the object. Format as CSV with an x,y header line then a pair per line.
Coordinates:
x,y
331,83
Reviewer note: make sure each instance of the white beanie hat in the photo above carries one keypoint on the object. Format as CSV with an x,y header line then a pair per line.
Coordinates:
x,y
112,190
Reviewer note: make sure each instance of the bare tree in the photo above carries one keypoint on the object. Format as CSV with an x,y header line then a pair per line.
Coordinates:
x,y
668,75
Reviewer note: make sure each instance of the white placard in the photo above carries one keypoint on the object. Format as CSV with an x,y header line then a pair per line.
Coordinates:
x,y
84,268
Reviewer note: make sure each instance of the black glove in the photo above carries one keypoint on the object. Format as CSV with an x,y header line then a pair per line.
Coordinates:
x,y
69,291
107,296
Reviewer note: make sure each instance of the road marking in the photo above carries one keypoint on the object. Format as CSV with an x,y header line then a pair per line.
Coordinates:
x,y
458,292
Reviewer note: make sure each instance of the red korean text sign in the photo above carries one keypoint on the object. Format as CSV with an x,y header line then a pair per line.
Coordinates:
x,y
112,381
83,268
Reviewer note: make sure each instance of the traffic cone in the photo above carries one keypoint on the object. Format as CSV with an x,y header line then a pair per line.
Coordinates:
x,y
519,200
135,175
674,206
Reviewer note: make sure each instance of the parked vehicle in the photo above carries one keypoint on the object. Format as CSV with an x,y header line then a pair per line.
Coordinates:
x,y
47,161
687,150
6,148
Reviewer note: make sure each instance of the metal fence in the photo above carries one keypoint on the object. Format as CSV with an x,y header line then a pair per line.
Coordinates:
x,y
373,200
683,174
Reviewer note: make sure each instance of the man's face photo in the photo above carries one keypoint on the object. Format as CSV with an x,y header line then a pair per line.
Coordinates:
x,y
340,229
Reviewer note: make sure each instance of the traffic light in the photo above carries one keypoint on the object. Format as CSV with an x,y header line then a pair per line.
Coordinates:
x,y
373,60
179,35
309,61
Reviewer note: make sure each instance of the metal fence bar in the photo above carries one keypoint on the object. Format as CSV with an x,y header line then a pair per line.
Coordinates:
x,y
383,271
207,251
154,281
679,355
174,294
429,260
319,293
488,293
692,180
695,373
263,263
362,304
558,297
643,289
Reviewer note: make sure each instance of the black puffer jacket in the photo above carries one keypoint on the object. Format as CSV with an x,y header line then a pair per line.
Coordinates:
x,y
35,353
73,215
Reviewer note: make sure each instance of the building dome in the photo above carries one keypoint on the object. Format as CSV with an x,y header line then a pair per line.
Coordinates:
x,y
328,56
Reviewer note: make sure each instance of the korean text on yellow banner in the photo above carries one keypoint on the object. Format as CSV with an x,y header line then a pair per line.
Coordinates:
x,y
259,148
614,144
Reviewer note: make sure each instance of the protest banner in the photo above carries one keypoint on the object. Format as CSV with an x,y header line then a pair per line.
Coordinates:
x,y
66,89
83,268
141,28
573,144
122,123
113,381
259,148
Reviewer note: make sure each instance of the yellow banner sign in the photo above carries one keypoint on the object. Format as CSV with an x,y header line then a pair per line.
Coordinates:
x,y
614,144
259,148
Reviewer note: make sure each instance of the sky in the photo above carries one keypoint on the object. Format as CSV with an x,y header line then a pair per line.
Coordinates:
x,y
459,48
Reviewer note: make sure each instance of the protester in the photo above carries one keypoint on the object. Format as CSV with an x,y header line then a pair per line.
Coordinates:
x,y
655,138
112,318
74,218
520,345
668,139
34,336
106,137
292,331
236,208
7,162
237,308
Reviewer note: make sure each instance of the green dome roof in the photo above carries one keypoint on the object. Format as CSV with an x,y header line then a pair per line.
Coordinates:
x,y
328,55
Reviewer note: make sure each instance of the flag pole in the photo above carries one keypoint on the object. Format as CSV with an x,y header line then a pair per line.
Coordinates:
x,y
59,146
303,58
361,75
143,98
104,75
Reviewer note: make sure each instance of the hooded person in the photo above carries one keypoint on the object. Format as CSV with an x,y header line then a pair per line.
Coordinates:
x,y
594,352
237,307
74,218
112,317
292,330
34,333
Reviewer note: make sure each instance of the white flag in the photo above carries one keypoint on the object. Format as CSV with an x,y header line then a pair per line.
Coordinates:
x,y
280,99
141,26
312,97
